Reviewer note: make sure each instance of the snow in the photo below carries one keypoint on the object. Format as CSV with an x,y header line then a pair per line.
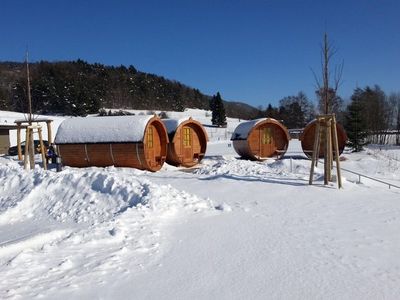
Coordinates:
x,y
243,129
102,129
227,229
173,124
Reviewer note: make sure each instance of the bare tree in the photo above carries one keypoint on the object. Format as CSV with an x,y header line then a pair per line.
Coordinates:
x,y
329,101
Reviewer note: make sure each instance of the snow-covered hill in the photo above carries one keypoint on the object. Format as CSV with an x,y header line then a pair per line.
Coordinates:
x,y
227,229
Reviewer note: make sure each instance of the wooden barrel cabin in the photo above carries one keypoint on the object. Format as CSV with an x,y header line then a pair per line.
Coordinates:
x,y
260,139
307,139
123,141
188,142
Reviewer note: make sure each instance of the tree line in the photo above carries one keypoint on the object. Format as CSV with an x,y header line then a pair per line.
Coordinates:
x,y
369,116
372,116
80,88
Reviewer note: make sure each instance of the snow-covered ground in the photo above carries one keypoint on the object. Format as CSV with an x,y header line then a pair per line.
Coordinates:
x,y
226,229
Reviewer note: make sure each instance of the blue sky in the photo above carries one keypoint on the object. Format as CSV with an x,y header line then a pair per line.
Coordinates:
x,y
252,51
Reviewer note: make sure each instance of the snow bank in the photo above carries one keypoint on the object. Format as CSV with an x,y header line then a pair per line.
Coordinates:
x,y
78,227
93,196
229,166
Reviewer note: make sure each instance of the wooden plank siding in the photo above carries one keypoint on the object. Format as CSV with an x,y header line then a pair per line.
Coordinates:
x,y
188,144
268,138
307,139
149,154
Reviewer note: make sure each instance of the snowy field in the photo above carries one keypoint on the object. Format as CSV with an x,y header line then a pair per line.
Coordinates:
x,y
226,229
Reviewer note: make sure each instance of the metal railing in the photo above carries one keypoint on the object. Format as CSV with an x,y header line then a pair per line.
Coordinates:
x,y
390,185
365,176
370,178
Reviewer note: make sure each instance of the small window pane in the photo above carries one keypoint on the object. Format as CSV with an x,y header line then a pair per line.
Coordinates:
x,y
150,137
186,137
267,136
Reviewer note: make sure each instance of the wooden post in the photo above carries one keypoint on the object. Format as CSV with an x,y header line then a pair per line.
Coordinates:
x,y
19,141
315,155
44,160
326,153
328,124
336,146
31,149
329,143
319,144
49,135
26,155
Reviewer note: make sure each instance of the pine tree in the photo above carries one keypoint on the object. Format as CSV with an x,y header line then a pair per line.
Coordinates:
x,y
355,122
272,112
218,111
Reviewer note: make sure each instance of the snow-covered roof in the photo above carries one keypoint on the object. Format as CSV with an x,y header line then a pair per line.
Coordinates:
x,y
242,130
173,124
102,129
33,120
9,126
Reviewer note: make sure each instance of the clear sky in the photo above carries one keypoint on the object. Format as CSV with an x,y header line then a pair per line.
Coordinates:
x,y
252,51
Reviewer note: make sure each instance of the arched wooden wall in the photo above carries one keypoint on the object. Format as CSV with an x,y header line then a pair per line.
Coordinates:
x,y
144,151
188,142
261,139
307,139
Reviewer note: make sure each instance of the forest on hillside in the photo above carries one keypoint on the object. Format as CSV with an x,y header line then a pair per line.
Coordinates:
x,y
80,88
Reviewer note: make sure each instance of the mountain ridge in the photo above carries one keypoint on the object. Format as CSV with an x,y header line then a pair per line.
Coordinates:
x,y
78,88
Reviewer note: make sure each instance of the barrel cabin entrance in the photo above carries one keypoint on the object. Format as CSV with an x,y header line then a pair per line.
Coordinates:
x,y
188,142
260,139
126,141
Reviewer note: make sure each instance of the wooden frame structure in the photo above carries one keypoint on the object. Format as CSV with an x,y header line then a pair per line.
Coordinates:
x,y
29,153
326,131
23,124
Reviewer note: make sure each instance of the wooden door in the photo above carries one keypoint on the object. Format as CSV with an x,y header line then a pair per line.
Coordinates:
x,y
267,141
187,144
150,145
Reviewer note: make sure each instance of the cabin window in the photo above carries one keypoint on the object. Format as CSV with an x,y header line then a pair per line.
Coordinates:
x,y
150,137
186,137
267,136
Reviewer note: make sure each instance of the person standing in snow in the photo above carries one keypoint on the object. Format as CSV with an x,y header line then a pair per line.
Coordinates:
x,y
51,154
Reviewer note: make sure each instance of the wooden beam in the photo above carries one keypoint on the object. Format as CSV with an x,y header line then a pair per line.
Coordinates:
x,y
336,147
19,141
49,133
315,155
26,155
44,160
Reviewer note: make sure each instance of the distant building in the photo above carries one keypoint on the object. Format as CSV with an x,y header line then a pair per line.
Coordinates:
x,y
5,137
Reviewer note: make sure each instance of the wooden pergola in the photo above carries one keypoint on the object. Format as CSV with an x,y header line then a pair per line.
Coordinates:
x,y
23,124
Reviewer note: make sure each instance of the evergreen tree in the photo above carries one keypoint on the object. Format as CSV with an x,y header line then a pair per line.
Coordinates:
x,y
3,100
272,112
80,88
296,111
355,124
218,111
